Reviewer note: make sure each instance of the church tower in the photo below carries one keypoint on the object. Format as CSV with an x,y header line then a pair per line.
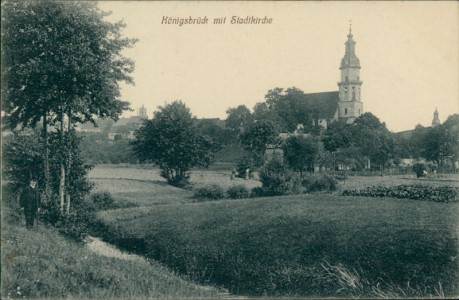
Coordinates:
x,y
436,120
350,105
143,112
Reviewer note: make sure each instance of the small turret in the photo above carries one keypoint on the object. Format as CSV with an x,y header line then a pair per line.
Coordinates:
x,y
436,120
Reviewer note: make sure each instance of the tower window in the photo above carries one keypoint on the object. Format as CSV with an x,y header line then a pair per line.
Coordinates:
x,y
359,111
353,96
345,111
358,79
346,79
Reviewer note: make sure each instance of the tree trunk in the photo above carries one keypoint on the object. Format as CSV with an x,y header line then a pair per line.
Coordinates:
x,y
46,161
62,177
67,183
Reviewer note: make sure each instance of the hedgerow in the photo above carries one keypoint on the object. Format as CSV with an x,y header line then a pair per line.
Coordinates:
x,y
238,192
213,192
319,183
415,192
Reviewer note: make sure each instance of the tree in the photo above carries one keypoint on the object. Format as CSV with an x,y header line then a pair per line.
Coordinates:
x,y
220,136
172,140
338,135
367,137
441,143
373,138
261,111
23,159
402,147
257,138
300,153
451,142
291,108
23,155
61,58
417,140
277,179
239,118
338,139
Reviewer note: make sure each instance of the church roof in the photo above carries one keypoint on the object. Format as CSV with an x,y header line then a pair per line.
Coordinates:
x,y
324,105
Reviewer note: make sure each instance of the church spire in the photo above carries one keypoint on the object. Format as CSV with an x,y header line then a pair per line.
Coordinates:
x,y
350,60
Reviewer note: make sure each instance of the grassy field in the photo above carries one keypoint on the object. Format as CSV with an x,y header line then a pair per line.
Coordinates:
x,y
308,245
43,264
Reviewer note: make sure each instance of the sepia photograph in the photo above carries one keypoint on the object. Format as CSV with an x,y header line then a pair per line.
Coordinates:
x,y
229,149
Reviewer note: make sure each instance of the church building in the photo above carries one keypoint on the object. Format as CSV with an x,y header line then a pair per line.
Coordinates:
x,y
345,104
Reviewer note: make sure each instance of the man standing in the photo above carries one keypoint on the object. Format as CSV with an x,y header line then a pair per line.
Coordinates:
x,y
30,201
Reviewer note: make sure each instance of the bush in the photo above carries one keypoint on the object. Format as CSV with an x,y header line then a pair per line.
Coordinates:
x,y
278,179
103,200
245,163
319,183
50,213
415,192
419,169
258,192
238,192
213,192
76,225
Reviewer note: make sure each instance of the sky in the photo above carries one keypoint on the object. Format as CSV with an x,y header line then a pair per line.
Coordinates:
x,y
408,52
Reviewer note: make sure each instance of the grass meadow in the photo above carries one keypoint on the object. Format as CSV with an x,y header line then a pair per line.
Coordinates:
x,y
317,245
41,263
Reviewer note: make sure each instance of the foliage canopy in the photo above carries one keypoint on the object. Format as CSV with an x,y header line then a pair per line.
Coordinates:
x,y
172,140
61,56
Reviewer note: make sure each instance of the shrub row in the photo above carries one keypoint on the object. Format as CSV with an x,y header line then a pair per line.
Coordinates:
x,y
216,192
415,192
310,184
319,183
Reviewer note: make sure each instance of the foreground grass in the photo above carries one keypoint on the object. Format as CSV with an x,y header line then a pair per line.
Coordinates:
x,y
43,264
308,245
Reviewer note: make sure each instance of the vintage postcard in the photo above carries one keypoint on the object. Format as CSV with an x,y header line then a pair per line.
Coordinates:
x,y
230,149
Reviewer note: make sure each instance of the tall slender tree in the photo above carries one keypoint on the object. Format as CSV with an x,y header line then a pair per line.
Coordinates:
x,y
61,58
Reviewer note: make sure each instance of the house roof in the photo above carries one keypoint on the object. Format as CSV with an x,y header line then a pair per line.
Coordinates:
x,y
103,124
323,104
128,121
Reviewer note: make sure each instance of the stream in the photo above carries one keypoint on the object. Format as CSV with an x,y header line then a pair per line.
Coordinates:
x,y
100,247
96,245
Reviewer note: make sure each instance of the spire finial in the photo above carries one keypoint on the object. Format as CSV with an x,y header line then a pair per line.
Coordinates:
x,y
350,26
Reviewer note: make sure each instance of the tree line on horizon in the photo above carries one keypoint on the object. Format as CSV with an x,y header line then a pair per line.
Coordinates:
x,y
174,136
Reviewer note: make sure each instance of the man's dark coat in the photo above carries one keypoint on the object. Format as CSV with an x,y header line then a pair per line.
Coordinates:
x,y
30,201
